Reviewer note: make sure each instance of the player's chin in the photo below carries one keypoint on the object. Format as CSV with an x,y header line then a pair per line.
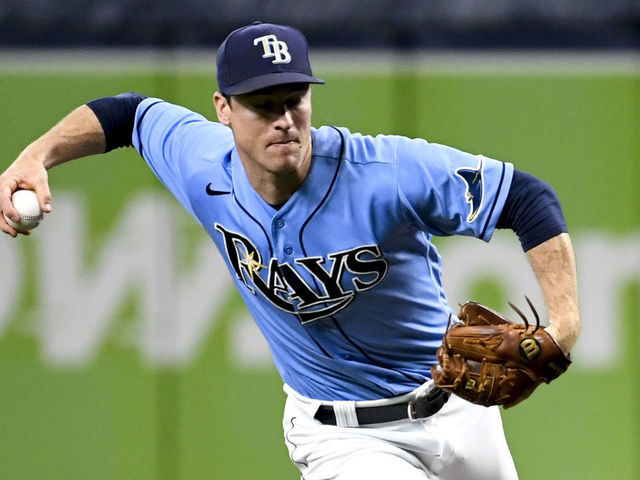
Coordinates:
x,y
285,158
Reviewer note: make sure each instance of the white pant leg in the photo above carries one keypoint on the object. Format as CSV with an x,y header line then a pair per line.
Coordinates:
x,y
376,465
462,441
475,445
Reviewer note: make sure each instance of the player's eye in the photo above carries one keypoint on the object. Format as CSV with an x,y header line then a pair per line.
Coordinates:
x,y
263,106
294,102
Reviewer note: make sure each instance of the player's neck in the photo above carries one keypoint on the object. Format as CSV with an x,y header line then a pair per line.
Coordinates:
x,y
276,190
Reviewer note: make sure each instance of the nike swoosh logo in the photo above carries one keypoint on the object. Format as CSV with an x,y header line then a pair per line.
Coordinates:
x,y
213,193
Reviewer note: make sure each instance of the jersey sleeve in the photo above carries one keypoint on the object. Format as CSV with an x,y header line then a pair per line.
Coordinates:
x,y
445,191
170,139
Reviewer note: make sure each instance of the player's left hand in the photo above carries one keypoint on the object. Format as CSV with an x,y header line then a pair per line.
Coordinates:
x,y
489,360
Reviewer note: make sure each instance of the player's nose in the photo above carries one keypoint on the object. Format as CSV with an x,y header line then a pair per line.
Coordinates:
x,y
285,119
284,116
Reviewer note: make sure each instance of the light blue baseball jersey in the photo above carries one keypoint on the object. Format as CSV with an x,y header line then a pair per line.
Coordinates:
x,y
343,279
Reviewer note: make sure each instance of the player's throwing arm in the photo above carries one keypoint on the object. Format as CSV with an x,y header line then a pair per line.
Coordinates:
x,y
77,135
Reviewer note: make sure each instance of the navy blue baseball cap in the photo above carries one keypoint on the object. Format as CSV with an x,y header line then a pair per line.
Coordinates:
x,y
263,55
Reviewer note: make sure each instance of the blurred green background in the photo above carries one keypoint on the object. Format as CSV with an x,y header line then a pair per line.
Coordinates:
x,y
118,416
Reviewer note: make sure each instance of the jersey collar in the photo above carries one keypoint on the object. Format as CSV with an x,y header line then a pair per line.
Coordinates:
x,y
325,163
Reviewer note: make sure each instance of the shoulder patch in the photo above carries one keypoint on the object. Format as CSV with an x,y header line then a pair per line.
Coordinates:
x,y
474,187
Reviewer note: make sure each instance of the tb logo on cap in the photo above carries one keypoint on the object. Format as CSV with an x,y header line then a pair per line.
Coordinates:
x,y
274,48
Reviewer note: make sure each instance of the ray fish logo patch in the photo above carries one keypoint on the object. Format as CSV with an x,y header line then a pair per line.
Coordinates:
x,y
474,187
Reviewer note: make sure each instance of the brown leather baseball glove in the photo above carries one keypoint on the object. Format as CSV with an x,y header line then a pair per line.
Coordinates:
x,y
489,360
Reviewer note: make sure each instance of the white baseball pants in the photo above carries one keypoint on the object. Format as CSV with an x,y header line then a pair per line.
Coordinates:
x,y
462,441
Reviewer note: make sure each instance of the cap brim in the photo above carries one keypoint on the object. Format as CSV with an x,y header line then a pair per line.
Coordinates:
x,y
270,80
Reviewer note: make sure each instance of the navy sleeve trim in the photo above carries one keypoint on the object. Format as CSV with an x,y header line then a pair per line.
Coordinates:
x,y
493,205
142,115
532,210
117,116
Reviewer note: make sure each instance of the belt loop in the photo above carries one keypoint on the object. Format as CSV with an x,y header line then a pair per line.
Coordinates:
x,y
345,412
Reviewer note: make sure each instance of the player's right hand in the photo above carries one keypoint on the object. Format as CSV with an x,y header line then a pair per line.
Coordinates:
x,y
25,173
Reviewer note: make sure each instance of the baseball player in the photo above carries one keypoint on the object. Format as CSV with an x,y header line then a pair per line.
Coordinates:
x,y
327,235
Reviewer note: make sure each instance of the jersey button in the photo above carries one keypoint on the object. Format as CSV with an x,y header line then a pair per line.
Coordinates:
x,y
279,223
288,250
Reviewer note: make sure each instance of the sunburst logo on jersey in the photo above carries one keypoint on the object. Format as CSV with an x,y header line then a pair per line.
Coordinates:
x,y
251,264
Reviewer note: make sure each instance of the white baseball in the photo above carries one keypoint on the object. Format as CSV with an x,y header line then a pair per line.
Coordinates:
x,y
26,203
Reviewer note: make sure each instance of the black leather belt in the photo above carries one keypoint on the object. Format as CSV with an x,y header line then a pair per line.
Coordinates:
x,y
421,407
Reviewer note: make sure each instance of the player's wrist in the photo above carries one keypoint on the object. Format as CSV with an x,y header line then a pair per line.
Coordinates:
x,y
32,158
563,341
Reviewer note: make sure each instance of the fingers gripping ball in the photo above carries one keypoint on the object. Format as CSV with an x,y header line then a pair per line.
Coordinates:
x,y
489,360
27,205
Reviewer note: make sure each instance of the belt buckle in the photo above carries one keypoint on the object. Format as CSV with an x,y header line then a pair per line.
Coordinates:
x,y
411,411
420,394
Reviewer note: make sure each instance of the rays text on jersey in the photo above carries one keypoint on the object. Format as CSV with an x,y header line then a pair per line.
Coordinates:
x,y
310,287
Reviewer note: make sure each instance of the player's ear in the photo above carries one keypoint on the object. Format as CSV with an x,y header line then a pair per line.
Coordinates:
x,y
223,108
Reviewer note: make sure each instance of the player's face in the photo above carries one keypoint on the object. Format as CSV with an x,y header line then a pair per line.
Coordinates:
x,y
271,128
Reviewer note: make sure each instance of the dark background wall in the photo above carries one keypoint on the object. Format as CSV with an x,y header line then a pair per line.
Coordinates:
x,y
351,23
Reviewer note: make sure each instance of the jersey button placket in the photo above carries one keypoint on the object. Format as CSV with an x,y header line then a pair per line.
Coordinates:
x,y
278,232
